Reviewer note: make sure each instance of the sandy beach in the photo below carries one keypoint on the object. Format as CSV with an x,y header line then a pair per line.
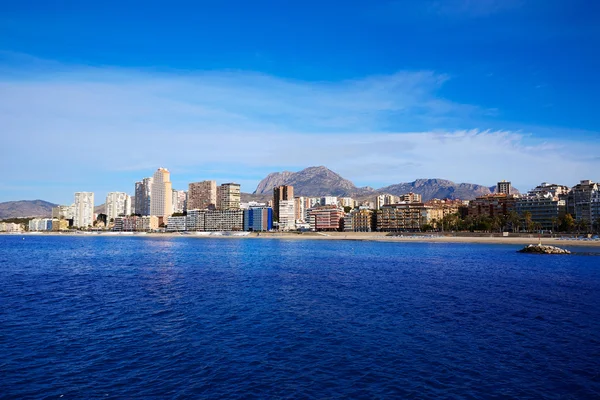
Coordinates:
x,y
361,236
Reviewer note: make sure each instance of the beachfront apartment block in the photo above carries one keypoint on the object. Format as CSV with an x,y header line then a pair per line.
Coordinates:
x,y
117,204
176,224
83,215
143,194
287,215
401,217
360,220
258,219
229,196
326,218
281,193
161,194
202,195
10,227
224,220
179,201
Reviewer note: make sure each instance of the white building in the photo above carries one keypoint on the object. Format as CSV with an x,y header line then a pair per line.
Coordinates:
x,y
287,215
117,204
176,224
179,201
329,201
195,220
84,209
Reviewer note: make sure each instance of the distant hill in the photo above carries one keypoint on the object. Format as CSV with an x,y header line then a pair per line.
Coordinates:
x,y
312,181
26,208
321,181
438,189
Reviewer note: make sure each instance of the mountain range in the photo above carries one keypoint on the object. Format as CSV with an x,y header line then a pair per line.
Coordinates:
x,y
26,208
319,181
311,182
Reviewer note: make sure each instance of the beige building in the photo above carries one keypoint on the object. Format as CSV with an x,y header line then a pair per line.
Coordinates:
x,y
410,198
401,217
224,220
229,196
63,212
60,225
161,194
202,195
361,220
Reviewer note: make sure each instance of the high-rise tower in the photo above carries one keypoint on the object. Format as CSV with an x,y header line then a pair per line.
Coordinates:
x,y
161,194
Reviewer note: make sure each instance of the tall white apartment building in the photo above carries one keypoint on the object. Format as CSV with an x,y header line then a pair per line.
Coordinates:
x,y
161,196
179,201
117,204
287,215
84,209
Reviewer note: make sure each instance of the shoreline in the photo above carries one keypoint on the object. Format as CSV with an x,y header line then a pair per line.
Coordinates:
x,y
356,236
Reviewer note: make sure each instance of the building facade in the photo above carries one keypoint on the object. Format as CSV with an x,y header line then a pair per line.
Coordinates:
x,y
176,224
143,195
161,194
360,220
179,201
117,204
83,215
281,193
229,197
504,187
202,195
258,219
224,220
287,215
492,205
401,217
584,205
63,212
327,218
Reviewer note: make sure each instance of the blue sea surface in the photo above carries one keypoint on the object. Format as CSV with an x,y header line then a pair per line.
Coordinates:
x,y
135,317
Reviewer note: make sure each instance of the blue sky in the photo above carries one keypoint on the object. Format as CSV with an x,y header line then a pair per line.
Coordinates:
x,y
97,95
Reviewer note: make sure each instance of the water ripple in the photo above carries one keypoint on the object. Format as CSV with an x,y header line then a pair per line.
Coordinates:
x,y
180,317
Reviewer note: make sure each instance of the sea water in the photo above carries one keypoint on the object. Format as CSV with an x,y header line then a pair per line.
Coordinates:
x,y
157,317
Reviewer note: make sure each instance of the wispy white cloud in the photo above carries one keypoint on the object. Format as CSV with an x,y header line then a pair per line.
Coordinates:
x,y
103,126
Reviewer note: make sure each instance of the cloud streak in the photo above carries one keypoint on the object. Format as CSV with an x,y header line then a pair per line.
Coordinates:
x,y
103,128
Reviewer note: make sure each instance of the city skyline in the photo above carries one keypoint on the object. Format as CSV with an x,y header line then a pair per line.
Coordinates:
x,y
401,90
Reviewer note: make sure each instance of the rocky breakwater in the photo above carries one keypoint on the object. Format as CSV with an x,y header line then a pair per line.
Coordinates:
x,y
541,249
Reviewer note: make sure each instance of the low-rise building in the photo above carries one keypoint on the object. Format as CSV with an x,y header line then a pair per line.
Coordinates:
x,y
195,220
176,224
224,220
492,205
60,225
327,218
361,220
10,227
401,217
258,219
40,225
